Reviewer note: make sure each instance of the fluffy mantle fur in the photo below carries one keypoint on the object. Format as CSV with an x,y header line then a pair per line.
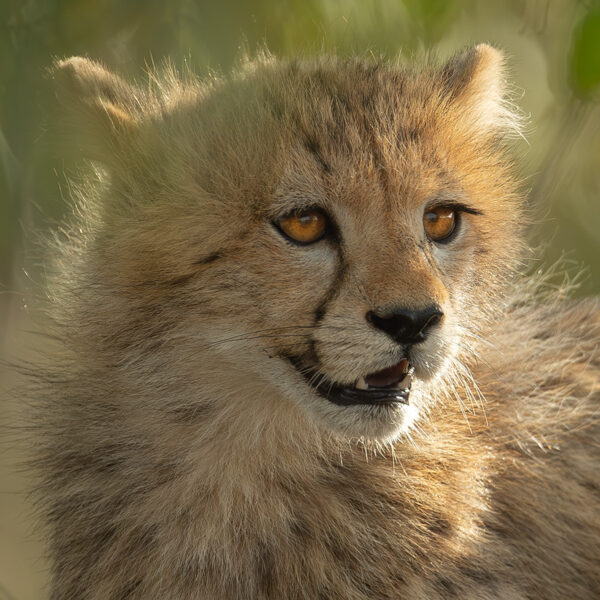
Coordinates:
x,y
182,456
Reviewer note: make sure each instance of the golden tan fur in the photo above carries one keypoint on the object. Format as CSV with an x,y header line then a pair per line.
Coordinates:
x,y
182,454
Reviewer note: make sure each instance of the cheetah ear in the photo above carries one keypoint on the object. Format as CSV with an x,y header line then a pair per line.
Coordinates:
x,y
475,80
100,108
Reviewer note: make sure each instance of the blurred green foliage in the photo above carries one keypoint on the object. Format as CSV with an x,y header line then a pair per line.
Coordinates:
x,y
585,54
554,50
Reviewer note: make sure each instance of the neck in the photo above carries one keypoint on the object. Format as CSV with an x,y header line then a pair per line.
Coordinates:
x,y
237,481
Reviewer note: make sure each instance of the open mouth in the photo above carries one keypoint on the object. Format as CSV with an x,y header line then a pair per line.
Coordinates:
x,y
388,386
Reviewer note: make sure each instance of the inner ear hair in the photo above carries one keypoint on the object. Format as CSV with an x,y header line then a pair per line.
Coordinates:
x,y
87,80
476,80
99,108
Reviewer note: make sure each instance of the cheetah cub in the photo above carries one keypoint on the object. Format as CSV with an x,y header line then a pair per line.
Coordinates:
x,y
296,357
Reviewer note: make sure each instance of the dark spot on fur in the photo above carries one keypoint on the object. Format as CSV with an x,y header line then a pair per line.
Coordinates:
x,y
300,532
440,526
191,414
110,466
320,312
165,471
397,581
543,335
324,593
209,259
592,486
265,569
128,590
179,281
410,135
500,531
342,554
358,496
102,459
314,148
478,575
372,70
366,588
444,585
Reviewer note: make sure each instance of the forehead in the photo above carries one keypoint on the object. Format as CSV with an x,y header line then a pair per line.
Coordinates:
x,y
364,134
357,185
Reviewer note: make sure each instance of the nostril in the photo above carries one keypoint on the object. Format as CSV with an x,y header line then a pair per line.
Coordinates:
x,y
404,325
377,321
434,319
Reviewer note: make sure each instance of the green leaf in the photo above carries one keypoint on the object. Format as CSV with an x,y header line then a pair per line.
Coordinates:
x,y
584,75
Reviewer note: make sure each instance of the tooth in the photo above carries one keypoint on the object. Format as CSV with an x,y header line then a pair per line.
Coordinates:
x,y
407,379
361,384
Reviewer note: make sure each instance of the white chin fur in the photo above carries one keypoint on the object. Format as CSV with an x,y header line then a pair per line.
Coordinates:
x,y
371,422
380,423
383,423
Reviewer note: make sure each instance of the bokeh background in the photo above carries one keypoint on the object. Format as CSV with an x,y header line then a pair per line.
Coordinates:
x,y
554,53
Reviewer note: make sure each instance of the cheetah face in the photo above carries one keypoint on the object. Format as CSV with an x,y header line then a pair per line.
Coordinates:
x,y
328,235
367,323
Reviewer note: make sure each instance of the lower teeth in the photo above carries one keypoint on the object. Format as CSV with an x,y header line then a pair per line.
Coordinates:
x,y
404,383
361,384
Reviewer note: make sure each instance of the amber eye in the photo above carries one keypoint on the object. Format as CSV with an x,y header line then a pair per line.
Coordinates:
x,y
439,223
304,227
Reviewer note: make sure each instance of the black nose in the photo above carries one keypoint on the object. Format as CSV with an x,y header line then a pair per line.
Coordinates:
x,y
406,326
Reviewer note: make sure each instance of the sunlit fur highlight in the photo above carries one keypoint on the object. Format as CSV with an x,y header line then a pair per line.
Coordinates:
x,y
181,456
